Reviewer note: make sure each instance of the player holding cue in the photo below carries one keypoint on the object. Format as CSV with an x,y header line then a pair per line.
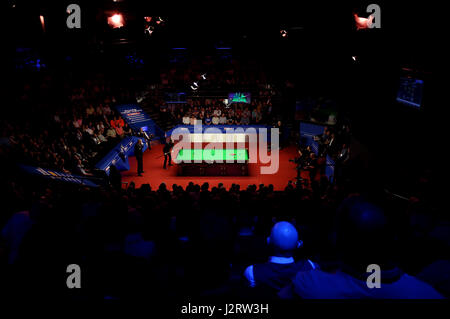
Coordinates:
x,y
167,150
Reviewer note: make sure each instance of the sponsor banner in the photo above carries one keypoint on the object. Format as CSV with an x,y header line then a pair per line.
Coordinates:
x,y
118,156
135,116
59,176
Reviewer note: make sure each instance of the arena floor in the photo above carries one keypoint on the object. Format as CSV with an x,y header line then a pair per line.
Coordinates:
x,y
155,174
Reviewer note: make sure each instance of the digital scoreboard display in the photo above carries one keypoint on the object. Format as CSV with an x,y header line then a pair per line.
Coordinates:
x,y
239,98
175,97
410,92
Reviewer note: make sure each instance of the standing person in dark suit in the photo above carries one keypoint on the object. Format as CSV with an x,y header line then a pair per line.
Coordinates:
x,y
168,153
148,138
139,153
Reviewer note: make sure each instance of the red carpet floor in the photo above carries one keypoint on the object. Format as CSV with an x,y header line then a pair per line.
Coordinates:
x,y
155,174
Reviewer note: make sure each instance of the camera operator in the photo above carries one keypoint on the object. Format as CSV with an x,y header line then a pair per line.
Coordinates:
x,y
301,161
311,165
323,139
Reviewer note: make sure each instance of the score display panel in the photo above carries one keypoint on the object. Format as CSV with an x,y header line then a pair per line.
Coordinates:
x,y
410,92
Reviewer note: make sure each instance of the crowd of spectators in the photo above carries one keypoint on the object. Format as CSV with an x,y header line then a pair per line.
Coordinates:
x,y
213,73
73,135
200,241
206,101
216,112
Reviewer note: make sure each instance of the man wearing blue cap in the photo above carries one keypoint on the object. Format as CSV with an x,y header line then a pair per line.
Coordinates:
x,y
281,267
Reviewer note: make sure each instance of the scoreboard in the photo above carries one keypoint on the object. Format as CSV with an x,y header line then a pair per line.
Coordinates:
x,y
410,92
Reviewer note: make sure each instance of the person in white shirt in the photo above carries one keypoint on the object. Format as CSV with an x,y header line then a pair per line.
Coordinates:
x,y
101,137
186,119
111,132
88,130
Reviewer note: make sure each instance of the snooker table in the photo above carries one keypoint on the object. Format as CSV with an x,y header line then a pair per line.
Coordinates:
x,y
212,162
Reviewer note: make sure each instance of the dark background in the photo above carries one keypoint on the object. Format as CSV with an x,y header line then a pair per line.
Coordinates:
x,y
315,57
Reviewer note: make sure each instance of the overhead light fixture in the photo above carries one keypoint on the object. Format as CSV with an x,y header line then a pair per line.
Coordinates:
x,y
42,22
363,23
116,21
149,30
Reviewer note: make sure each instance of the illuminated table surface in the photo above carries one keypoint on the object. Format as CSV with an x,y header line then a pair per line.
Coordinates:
x,y
212,155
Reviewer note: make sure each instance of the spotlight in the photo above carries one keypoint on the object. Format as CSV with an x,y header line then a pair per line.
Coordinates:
x,y
42,22
196,84
362,23
115,18
354,57
149,30
204,76
194,88
283,33
116,21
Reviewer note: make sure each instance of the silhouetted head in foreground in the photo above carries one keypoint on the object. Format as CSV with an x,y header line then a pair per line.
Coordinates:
x,y
283,239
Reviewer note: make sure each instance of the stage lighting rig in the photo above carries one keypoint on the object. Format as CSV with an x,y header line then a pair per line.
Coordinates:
x,y
151,24
149,30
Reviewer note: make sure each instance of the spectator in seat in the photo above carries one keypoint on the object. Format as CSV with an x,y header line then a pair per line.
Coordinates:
x,y
120,122
77,122
127,130
208,119
215,120
111,132
223,119
186,119
80,170
102,137
106,110
245,120
119,130
363,237
281,267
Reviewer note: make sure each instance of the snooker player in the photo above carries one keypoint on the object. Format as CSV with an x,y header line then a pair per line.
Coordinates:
x,y
167,150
